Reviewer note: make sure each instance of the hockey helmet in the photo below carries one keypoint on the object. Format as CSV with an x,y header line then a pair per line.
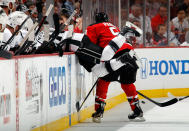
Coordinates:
x,y
22,8
16,18
101,17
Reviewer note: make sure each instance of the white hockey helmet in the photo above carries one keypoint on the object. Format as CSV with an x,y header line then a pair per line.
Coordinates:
x,y
16,18
3,18
6,2
131,25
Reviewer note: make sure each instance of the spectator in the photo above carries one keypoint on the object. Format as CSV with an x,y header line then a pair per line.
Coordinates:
x,y
148,28
181,24
70,6
160,37
154,6
136,41
160,18
32,9
40,4
135,12
78,25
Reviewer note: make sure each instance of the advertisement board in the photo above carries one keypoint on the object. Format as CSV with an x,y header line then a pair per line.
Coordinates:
x,y
7,96
42,91
32,73
163,68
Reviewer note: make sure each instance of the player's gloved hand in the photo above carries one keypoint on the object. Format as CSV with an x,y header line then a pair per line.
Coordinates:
x,y
127,29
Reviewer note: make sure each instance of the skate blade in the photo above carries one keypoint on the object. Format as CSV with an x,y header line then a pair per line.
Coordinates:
x,y
96,120
138,119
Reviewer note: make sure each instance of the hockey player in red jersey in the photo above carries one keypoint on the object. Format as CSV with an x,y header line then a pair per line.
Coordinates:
x,y
105,34
104,52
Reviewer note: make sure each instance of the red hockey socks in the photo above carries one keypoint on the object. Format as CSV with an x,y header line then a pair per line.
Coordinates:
x,y
130,91
101,92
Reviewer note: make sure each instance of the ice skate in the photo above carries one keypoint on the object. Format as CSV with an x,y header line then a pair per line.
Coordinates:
x,y
137,115
97,116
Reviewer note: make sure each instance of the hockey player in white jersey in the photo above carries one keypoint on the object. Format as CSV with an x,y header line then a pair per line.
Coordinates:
x,y
3,20
8,6
15,19
110,68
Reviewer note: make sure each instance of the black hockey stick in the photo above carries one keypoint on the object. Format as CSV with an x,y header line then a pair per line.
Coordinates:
x,y
14,34
23,42
5,54
167,103
179,99
55,34
78,107
24,45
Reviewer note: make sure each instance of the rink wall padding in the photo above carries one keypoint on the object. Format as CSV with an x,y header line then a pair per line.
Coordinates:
x,y
39,92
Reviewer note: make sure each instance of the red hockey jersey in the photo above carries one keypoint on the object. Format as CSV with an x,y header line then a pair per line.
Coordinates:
x,y
102,33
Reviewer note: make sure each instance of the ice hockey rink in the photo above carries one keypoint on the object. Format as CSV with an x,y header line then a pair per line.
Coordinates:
x,y
170,118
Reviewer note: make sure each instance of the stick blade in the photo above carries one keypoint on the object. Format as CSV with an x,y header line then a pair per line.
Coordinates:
x,y
170,102
77,105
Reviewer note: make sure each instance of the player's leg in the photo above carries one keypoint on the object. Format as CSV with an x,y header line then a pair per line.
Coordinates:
x,y
130,91
127,78
101,94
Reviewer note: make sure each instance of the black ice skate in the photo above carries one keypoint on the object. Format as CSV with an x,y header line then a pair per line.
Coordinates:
x,y
98,115
137,114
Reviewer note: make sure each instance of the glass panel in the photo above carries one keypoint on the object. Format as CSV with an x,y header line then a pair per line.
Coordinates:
x,y
159,12
124,12
179,21
152,16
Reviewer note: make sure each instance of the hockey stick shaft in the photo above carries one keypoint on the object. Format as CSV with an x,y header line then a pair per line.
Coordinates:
x,y
64,25
14,34
55,33
148,98
6,54
24,47
43,19
25,38
167,103
77,104
180,99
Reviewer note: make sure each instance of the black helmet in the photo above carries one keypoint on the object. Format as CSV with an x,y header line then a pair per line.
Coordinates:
x,y
101,17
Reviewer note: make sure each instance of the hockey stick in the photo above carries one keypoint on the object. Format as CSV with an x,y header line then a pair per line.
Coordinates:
x,y
179,99
56,33
78,107
63,26
14,34
5,54
167,103
23,45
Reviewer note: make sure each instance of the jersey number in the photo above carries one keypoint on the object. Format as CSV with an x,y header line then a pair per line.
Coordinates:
x,y
112,31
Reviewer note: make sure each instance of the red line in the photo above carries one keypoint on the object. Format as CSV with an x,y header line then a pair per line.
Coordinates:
x,y
38,55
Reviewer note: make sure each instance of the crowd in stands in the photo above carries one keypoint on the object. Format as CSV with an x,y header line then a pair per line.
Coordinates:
x,y
34,11
155,28
156,22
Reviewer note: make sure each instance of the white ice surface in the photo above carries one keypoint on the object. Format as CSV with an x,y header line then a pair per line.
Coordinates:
x,y
171,118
